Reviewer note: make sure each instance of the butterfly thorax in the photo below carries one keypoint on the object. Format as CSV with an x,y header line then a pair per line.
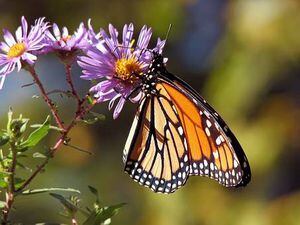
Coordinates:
x,y
150,78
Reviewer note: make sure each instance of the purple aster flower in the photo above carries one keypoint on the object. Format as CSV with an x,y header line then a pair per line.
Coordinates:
x,y
118,64
62,41
16,51
92,36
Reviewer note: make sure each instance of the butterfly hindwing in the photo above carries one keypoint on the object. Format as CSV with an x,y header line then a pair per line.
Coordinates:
x,y
156,154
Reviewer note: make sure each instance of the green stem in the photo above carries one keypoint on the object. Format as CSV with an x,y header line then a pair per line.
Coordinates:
x,y
10,197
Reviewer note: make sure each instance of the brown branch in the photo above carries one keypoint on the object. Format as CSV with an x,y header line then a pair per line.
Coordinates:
x,y
71,84
45,96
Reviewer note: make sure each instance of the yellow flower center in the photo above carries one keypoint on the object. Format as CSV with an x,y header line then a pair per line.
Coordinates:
x,y
65,39
127,69
16,50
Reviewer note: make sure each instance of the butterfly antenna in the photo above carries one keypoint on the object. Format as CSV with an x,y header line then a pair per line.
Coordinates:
x,y
168,32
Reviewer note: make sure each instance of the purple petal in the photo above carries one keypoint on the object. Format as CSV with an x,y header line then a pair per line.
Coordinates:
x,y
8,68
19,34
56,31
8,38
127,37
4,47
2,79
65,32
112,101
144,38
24,26
119,108
19,65
28,57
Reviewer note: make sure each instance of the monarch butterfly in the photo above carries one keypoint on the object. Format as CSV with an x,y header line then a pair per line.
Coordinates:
x,y
176,134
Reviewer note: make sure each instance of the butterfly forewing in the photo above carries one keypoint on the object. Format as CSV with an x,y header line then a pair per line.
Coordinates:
x,y
214,150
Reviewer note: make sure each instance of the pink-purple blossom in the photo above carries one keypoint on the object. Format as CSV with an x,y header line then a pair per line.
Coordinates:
x,y
21,48
64,41
117,64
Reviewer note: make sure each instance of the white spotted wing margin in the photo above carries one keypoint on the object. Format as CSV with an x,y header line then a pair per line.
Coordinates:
x,y
221,134
155,154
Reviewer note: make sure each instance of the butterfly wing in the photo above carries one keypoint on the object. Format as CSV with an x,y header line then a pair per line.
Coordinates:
x,y
156,153
213,149
176,134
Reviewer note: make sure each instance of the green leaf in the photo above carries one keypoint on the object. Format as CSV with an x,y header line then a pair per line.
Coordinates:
x,y
90,100
2,204
93,190
3,184
90,121
18,182
4,138
65,202
18,126
51,127
36,136
98,115
9,115
102,215
43,190
38,155
1,156
24,167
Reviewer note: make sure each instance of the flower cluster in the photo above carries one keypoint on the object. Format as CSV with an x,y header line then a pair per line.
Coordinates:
x,y
115,64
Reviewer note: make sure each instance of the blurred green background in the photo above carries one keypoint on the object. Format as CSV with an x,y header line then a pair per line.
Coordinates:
x,y
242,56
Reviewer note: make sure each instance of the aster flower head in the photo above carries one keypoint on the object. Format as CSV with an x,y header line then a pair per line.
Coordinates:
x,y
118,65
22,48
63,41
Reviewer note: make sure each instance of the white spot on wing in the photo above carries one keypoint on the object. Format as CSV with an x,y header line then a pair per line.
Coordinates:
x,y
185,158
208,123
218,140
235,164
180,130
216,154
207,131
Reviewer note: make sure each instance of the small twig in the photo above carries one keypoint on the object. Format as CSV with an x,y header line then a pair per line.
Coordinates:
x,y
57,91
27,85
79,149
45,96
71,84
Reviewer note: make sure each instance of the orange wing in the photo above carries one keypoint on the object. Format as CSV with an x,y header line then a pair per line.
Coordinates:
x,y
174,135
210,151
